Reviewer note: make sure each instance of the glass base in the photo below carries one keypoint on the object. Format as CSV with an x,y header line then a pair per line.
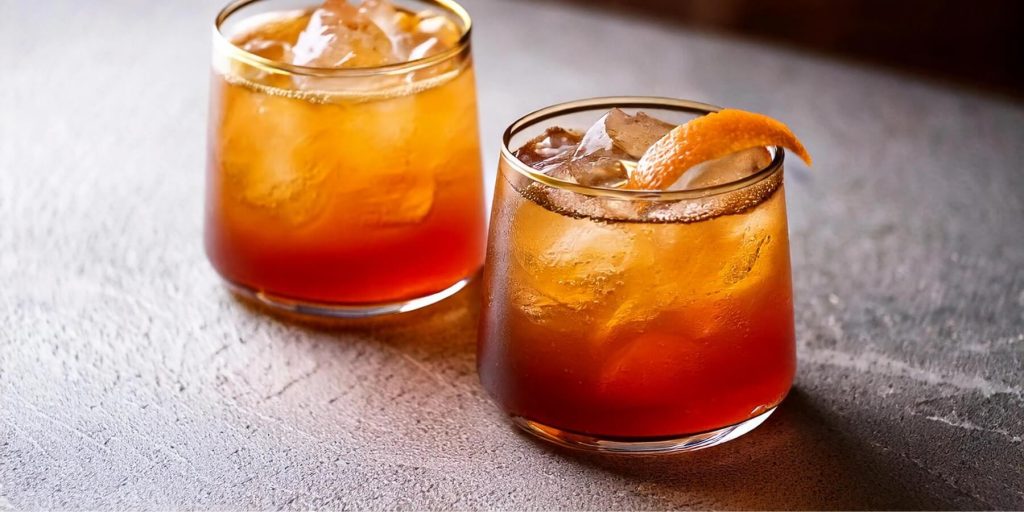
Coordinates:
x,y
683,443
345,310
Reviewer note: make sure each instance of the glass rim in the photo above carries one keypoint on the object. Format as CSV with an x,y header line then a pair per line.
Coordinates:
x,y
278,67
570,107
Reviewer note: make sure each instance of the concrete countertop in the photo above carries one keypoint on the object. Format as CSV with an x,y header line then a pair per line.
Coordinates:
x,y
129,378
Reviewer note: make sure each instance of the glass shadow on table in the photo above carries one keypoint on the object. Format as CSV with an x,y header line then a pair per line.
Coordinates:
x,y
800,458
443,333
465,302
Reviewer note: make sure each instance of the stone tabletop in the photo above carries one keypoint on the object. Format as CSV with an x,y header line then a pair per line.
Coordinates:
x,y
129,378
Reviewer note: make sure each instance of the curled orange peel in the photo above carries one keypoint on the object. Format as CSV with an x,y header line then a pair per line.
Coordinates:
x,y
708,138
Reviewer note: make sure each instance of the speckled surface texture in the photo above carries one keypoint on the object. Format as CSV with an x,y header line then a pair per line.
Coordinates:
x,y
130,379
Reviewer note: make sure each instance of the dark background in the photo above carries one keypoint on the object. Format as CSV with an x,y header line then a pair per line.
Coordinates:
x,y
976,43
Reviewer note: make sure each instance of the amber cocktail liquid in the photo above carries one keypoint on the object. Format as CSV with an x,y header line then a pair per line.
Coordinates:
x,y
344,170
630,320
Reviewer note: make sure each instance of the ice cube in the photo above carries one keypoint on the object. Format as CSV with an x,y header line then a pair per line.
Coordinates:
x,y
566,268
269,49
268,35
413,35
374,33
637,133
596,160
597,140
755,237
387,182
341,35
284,180
389,20
549,149
274,50
610,146
271,35
594,171
434,33
618,133
747,255
727,169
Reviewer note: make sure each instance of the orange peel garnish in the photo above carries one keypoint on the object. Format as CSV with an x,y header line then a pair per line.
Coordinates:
x,y
708,138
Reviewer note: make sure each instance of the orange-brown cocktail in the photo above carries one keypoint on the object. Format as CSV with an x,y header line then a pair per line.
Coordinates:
x,y
344,171
634,320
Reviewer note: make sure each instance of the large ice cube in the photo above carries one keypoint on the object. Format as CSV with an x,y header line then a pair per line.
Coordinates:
x,y
342,35
271,35
634,134
549,149
566,268
620,133
746,256
373,33
286,179
581,274
415,35
393,23
758,239
609,147
727,169
433,33
388,181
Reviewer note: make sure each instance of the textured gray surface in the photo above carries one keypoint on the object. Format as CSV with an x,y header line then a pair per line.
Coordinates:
x,y
130,378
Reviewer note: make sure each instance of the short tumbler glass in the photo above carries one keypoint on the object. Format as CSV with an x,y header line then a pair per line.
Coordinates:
x,y
343,192
635,321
